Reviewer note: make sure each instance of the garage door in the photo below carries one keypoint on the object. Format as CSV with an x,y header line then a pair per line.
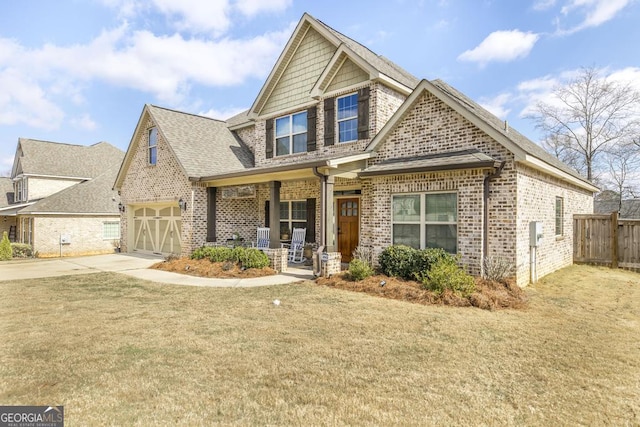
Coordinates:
x,y
157,229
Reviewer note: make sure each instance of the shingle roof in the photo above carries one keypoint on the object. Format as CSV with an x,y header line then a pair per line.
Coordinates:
x,y
441,161
203,146
238,119
58,159
630,208
92,196
382,64
522,141
6,192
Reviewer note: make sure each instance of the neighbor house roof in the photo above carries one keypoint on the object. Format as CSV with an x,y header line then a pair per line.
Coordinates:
x,y
94,196
37,157
6,192
630,208
524,149
203,146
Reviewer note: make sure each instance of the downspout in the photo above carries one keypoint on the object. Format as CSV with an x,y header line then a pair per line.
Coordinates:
x,y
323,208
485,237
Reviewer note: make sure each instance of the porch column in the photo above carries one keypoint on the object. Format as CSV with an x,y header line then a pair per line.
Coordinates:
x,y
274,214
329,215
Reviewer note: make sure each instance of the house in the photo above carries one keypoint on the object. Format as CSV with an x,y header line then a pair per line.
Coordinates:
x,y
59,198
627,209
345,143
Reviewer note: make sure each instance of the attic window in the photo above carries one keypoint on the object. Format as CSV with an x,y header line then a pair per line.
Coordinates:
x,y
153,146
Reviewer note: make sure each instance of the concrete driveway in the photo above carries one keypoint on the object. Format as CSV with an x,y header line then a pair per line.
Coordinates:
x,y
134,265
38,268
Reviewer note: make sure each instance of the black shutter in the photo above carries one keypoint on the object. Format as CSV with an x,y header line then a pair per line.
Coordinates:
x,y
329,121
211,214
363,113
311,221
311,129
266,213
269,139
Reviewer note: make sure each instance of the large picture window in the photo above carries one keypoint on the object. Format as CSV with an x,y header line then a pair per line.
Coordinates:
x,y
348,118
291,134
427,220
293,214
153,146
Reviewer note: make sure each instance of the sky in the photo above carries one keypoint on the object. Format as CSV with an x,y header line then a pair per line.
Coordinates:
x,y
80,71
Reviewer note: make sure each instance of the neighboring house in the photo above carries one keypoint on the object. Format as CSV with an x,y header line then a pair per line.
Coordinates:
x,y
64,192
348,145
630,208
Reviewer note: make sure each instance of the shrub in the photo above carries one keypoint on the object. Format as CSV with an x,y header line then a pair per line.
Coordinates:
x,y
219,254
447,275
359,269
427,258
497,268
399,261
21,250
5,248
253,258
200,253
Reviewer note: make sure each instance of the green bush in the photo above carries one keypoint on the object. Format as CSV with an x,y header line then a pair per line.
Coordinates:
x,y
253,258
447,275
21,250
359,269
5,248
246,257
427,258
399,261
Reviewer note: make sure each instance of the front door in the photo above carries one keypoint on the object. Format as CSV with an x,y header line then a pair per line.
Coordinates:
x,y
348,226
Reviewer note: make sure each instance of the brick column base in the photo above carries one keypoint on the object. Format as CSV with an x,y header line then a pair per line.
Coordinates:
x,y
278,258
331,266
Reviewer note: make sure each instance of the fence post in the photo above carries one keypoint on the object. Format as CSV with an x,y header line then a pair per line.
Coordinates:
x,y
614,239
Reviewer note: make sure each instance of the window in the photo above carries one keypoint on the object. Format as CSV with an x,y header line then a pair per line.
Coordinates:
x,y
425,221
153,146
111,230
291,134
293,214
19,190
559,216
348,118
26,230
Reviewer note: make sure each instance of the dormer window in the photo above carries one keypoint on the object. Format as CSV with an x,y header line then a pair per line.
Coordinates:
x,y
347,118
21,190
153,146
291,134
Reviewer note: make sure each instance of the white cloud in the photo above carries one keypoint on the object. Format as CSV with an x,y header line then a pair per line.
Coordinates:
x,y
83,122
497,105
197,16
595,12
221,114
253,7
543,4
503,46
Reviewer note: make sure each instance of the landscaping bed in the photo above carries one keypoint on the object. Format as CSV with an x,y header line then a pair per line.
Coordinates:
x,y
205,268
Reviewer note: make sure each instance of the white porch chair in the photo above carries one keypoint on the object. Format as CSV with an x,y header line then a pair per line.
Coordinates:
x,y
262,238
296,247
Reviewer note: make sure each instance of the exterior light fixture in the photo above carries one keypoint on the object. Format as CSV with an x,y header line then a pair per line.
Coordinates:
x,y
182,204
121,207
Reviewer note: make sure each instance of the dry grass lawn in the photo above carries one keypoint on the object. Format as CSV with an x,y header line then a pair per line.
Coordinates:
x,y
116,350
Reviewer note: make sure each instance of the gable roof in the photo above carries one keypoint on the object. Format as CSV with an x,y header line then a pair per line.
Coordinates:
x,y
94,196
524,149
358,52
6,192
630,207
202,146
35,157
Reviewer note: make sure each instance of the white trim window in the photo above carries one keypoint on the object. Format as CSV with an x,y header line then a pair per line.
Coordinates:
x,y
347,119
18,197
153,146
111,230
559,216
291,134
425,220
293,214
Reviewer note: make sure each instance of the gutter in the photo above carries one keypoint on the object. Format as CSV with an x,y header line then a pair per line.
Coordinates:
x,y
485,229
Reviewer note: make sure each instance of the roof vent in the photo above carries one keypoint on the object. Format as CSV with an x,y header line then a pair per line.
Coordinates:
x,y
506,126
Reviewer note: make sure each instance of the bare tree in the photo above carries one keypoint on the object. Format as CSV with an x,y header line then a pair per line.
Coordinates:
x,y
623,162
587,116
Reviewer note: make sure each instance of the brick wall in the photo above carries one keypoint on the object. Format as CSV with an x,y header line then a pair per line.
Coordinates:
x,y
85,232
537,194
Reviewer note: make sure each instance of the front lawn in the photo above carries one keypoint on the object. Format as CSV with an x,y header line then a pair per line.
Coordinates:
x,y
116,350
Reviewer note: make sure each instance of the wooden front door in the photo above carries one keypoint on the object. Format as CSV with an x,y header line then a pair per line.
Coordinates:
x,y
348,226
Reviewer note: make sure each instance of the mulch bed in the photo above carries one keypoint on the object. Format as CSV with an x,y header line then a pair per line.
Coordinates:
x,y
206,268
489,295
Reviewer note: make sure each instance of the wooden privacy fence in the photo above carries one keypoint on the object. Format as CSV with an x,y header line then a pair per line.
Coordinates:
x,y
606,240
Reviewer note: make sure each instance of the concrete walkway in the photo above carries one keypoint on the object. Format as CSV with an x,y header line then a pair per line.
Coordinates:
x,y
134,265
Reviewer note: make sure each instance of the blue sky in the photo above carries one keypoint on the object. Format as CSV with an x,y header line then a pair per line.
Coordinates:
x,y
80,71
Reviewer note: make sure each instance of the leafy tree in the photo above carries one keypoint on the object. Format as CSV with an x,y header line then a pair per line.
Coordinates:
x,y
5,248
587,116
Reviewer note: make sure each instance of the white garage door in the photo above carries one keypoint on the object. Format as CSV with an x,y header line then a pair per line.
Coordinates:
x,y
157,229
